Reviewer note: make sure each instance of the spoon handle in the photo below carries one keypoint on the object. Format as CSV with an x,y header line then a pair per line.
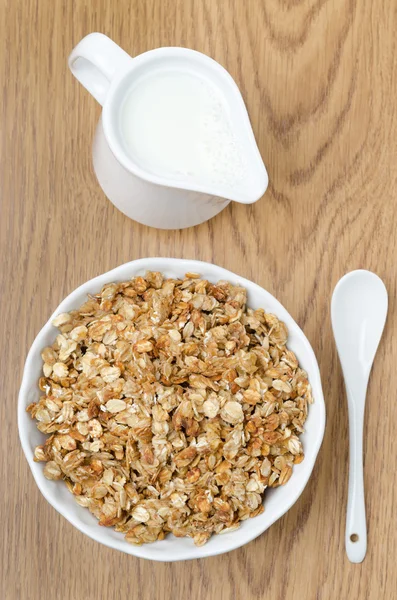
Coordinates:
x,y
356,527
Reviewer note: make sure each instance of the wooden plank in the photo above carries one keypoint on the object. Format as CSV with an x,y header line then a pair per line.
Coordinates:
x,y
319,78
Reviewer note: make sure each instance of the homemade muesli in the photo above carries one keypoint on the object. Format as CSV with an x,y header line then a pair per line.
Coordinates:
x,y
170,407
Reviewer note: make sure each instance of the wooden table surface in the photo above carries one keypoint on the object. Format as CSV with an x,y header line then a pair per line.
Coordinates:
x,y
320,81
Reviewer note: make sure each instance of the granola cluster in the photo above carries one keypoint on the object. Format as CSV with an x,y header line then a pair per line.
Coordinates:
x,y
170,407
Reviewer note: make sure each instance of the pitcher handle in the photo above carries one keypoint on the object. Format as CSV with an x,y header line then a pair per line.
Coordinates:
x,y
95,61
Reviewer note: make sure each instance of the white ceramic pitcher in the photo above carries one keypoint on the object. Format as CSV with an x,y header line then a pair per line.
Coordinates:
x,y
108,72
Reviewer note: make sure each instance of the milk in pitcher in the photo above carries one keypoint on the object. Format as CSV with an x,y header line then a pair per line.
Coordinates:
x,y
176,125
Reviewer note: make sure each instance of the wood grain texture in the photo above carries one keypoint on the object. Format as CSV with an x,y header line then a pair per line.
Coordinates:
x,y
320,81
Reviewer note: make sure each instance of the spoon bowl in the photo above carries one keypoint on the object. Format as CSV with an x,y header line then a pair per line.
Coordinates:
x,y
359,308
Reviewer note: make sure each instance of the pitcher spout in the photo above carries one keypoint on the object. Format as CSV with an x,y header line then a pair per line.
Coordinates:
x,y
253,188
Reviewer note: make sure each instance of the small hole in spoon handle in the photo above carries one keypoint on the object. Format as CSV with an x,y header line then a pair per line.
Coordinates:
x,y
354,537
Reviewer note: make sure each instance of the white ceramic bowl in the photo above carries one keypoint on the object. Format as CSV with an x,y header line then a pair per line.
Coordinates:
x,y
277,501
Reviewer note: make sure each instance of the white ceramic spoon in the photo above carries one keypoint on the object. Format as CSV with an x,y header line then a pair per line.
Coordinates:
x,y
358,313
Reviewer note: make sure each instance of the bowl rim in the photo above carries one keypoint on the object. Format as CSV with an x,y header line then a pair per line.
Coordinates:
x,y
184,265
